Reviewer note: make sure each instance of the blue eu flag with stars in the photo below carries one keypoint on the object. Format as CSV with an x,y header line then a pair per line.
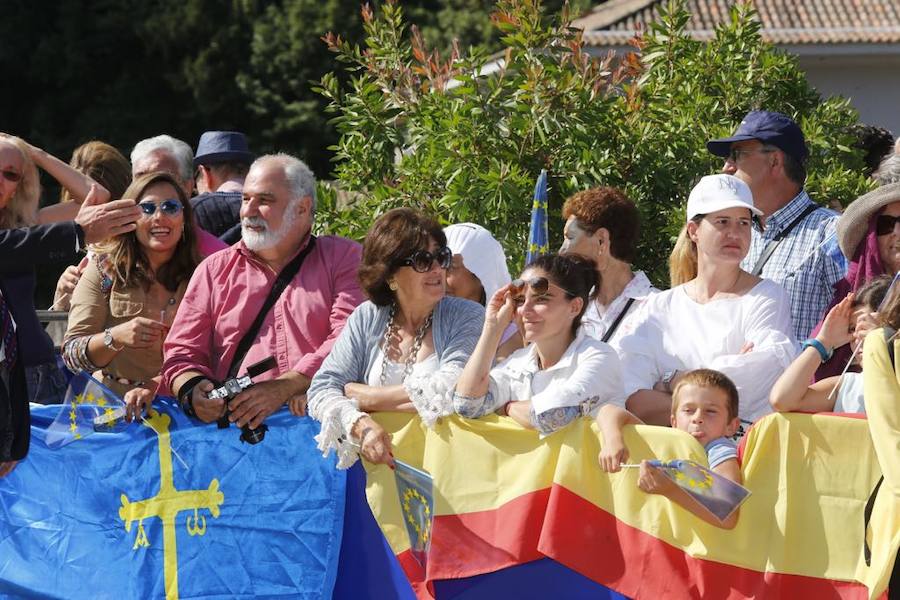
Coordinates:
x,y
538,235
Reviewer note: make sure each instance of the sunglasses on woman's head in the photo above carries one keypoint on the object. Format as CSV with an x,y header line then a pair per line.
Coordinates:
x,y
422,260
539,287
11,175
884,224
167,207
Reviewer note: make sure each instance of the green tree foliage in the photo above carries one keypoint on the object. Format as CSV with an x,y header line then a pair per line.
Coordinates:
x,y
423,128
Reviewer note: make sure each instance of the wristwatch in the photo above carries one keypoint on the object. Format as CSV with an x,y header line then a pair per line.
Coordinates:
x,y
108,340
667,379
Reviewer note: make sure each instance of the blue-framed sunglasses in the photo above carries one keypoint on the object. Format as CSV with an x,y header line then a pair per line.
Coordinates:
x,y
422,260
169,207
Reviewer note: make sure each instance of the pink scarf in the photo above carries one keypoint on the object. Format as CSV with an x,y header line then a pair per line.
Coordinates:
x,y
865,266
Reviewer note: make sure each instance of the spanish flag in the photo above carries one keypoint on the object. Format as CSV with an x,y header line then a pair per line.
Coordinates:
x,y
506,501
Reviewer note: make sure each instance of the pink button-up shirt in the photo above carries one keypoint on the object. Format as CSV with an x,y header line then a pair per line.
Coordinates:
x,y
226,293
207,243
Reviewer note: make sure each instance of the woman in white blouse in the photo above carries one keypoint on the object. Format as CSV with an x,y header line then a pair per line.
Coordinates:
x,y
716,315
562,373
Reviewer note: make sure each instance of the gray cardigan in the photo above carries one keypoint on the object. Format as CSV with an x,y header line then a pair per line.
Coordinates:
x,y
455,330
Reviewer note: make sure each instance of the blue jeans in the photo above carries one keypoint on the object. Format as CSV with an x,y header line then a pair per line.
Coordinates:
x,y
46,383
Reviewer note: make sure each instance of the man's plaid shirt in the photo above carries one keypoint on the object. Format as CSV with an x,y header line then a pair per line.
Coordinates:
x,y
807,262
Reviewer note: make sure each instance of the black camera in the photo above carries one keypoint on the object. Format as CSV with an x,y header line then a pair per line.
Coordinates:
x,y
235,386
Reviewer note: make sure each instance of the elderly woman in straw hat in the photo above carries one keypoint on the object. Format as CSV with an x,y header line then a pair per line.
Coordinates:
x,y
870,239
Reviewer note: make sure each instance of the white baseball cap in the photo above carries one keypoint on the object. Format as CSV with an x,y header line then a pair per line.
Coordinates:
x,y
482,254
718,192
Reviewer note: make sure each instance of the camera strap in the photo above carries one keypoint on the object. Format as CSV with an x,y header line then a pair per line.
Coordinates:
x,y
775,241
281,282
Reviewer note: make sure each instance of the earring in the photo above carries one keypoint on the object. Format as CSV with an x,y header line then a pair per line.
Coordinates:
x,y
393,285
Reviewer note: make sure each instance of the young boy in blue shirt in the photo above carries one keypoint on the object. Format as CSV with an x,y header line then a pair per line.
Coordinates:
x,y
705,405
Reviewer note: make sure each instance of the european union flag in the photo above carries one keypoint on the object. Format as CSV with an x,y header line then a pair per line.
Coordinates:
x,y
538,235
416,491
89,406
114,516
719,495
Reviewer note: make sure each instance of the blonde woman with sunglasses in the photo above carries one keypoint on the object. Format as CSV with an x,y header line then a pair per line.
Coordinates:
x,y
129,293
562,373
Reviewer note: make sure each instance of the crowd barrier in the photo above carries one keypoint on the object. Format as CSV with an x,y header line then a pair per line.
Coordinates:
x,y
503,498
172,509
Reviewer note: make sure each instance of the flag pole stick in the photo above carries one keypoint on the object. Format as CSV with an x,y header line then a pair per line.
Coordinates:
x,y
178,456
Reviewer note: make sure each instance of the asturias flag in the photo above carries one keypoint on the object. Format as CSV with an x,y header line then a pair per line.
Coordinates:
x,y
118,515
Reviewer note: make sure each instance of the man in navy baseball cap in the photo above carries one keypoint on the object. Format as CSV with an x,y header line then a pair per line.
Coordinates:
x,y
768,127
790,244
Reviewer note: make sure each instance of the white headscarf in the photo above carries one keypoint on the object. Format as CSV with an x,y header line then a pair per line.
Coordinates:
x,y
482,254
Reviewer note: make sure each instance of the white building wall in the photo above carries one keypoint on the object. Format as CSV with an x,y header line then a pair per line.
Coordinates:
x,y
870,80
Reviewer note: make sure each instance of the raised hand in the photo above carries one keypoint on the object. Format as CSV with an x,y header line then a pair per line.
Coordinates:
x,y
102,221
62,299
501,308
835,331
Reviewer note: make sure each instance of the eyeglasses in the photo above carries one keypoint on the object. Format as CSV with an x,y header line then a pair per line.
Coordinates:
x,y
167,207
11,175
539,287
884,224
421,261
735,154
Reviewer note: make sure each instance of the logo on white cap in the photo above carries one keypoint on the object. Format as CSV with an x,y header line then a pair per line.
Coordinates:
x,y
719,192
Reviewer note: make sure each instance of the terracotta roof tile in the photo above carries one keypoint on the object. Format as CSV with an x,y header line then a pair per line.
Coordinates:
x,y
614,22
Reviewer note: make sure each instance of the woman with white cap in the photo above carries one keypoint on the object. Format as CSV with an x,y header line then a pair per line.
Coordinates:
x,y
477,271
716,316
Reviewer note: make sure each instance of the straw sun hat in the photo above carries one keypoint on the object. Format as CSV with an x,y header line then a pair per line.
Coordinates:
x,y
854,222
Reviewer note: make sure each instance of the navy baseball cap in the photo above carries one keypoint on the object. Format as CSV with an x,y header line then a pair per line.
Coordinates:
x,y
768,127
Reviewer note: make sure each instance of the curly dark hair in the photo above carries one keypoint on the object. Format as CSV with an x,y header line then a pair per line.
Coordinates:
x,y
609,208
395,235
575,274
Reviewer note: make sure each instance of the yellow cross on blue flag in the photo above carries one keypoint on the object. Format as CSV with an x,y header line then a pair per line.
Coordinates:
x,y
169,507
538,235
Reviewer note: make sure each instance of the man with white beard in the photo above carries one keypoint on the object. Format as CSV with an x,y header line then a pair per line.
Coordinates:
x,y
228,292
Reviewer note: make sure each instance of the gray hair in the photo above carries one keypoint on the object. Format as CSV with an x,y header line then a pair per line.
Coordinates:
x,y
888,171
299,177
182,152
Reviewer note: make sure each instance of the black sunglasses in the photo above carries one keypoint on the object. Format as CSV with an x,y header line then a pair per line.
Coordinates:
x,y
422,260
167,207
884,224
11,175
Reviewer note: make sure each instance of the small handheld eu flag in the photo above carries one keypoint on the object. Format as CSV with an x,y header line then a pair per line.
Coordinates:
x,y
416,491
89,406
